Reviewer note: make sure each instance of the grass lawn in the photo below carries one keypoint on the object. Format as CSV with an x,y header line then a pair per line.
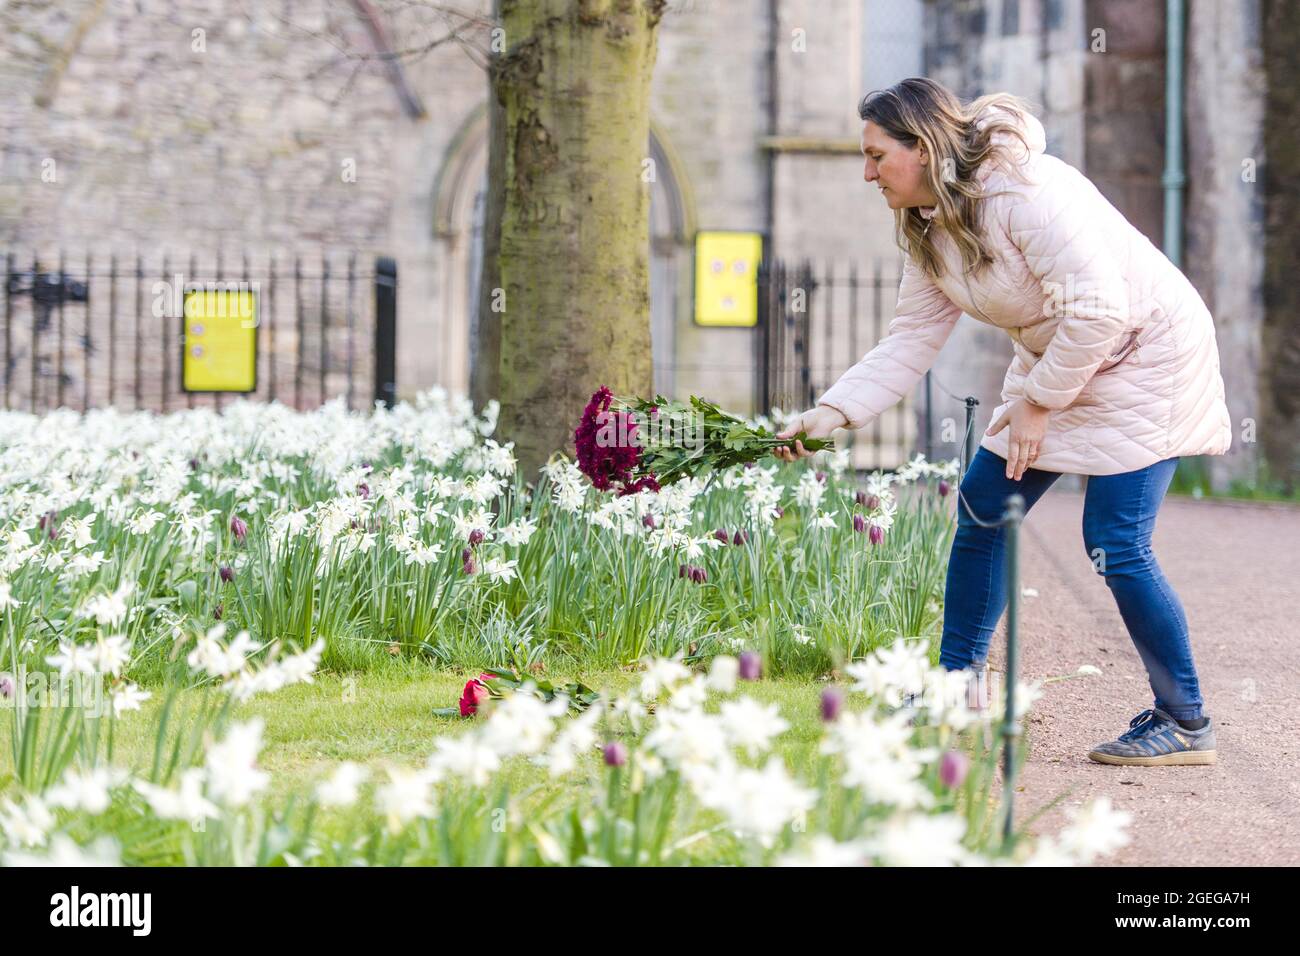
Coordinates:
x,y
383,716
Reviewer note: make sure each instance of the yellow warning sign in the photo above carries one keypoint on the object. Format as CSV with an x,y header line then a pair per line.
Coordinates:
x,y
726,277
219,341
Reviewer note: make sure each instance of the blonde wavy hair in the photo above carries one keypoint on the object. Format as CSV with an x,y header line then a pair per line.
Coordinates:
x,y
920,110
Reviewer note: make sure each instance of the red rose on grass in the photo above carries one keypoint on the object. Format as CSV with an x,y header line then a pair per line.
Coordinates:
x,y
601,455
475,693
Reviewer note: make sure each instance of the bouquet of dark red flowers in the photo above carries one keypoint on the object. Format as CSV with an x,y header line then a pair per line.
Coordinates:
x,y
636,444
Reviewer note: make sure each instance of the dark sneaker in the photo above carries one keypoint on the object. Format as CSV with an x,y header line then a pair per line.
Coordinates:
x,y
1156,739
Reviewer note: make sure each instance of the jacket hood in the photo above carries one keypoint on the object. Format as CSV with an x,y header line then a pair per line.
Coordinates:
x,y
1028,124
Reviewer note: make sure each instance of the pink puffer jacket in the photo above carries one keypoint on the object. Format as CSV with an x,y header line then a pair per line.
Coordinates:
x,y
1106,331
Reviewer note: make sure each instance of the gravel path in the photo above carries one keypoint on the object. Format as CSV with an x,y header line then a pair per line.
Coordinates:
x,y
1236,568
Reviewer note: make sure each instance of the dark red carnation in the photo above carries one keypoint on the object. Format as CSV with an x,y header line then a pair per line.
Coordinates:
x,y
610,464
475,693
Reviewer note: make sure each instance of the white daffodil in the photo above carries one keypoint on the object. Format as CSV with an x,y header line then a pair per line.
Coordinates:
x,y
72,659
521,723
111,654
405,797
465,758
919,839
685,738
63,852
499,570
7,599
142,522
25,824
86,790
823,850
750,725
723,670
689,695
576,737
298,668
233,777
824,520
517,532
423,554
341,788
128,697
628,708
1096,829
758,803
808,493
186,802
662,673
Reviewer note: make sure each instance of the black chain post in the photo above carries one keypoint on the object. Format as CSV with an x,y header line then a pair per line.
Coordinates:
x,y
386,331
968,450
1012,517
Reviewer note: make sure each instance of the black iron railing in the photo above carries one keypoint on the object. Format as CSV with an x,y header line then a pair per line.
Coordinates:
x,y
107,330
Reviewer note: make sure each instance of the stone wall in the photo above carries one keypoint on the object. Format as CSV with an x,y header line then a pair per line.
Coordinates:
x,y
1224,240
184,127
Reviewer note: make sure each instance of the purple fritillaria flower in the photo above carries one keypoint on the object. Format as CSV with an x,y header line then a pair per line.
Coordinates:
x,y
952,768
832,704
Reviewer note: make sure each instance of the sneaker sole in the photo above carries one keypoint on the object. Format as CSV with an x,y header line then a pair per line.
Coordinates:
x,y
1191,758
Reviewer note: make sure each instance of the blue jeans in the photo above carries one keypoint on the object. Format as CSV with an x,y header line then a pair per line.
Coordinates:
x,y
1119,514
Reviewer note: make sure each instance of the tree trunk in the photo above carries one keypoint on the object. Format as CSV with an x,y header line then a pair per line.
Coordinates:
x,y
574,257
1279,424
485,324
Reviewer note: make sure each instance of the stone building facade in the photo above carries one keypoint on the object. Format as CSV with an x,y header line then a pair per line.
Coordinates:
x,y
196,127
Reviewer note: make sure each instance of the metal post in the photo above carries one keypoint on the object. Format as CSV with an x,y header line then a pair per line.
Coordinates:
x,y
269,322
58,378
297,304
85,338
139,338
760,338
192,283
167,355
386,331
352,320
324,323
221,277
9,321
112,325
1015,513
1174,178
929,419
